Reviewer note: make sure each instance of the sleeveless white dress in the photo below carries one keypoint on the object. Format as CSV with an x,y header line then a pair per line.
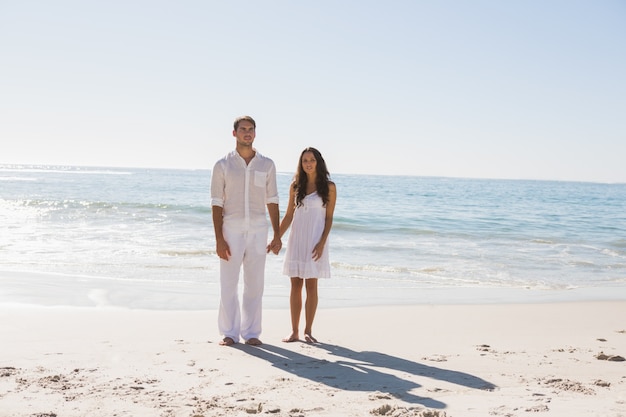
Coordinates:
x,y
306,230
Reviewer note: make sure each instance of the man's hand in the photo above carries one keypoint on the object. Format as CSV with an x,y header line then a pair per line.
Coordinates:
x,y
222,249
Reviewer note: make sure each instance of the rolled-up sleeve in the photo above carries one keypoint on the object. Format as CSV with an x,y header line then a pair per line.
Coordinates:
x,y
217,185
271,193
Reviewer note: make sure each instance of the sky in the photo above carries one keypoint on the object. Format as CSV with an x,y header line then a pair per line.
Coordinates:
x,y
532,89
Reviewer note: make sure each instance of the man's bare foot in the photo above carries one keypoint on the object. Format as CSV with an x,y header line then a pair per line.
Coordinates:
x,y
293,337
227,341
254,342
309,338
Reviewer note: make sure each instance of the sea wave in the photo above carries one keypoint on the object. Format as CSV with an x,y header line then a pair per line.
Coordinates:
x,y
3,178
182,253
108,205
59,169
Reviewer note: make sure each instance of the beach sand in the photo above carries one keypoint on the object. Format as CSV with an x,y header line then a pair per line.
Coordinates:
x,y
422,360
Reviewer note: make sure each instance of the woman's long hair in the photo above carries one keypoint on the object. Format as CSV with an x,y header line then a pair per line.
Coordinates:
x,y
321,182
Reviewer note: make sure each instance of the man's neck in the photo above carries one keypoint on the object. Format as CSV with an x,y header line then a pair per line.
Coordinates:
x,y
246,152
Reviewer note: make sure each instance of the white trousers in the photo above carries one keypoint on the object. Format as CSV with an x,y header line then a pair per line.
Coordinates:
x,y
247,249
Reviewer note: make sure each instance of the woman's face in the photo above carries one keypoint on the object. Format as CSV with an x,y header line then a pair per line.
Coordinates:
x,y
309,163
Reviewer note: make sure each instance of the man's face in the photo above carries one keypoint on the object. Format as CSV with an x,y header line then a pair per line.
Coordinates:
x,y
245,133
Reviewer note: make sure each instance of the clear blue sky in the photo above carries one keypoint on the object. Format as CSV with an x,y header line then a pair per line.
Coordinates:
x,y
493,89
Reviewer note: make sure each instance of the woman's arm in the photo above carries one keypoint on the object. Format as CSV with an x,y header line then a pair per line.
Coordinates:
x,y
286,221
330,210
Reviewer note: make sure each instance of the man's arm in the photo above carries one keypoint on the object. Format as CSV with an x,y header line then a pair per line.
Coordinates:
x,y
221,246
217,209
276,244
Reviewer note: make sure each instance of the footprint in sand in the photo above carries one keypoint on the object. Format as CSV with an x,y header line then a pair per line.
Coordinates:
x,y
611,358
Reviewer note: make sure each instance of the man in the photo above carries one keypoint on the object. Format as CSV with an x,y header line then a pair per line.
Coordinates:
x,y
243,183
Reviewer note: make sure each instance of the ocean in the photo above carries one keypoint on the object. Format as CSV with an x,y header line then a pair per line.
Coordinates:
x,y
143,238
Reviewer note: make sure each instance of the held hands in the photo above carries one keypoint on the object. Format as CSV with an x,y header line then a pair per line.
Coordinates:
x,y
275,245
223,250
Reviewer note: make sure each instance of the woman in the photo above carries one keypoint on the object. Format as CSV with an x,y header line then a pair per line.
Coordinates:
x,y
312,198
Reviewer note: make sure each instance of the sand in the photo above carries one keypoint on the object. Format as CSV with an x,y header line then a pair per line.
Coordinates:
x,y
553,359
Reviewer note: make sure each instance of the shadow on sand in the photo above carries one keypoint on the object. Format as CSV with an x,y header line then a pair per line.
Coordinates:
x,y
365,371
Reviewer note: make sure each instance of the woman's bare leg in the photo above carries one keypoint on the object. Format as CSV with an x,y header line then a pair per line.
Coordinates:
x,y
295,306
310,308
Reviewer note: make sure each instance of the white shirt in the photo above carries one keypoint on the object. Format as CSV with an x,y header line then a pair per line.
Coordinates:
x,y
243,191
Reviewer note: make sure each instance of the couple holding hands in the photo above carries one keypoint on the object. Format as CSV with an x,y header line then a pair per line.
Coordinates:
x,y
243,187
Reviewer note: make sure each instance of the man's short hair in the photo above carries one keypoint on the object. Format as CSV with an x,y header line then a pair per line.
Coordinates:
x,y
244,118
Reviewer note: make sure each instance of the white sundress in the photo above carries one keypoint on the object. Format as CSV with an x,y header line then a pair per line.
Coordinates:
x,y
306,230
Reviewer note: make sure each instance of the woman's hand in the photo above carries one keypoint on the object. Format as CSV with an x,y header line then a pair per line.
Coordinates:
x,y
317,251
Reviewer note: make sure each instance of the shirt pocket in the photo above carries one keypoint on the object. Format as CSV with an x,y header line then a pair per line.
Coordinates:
x,y
260,178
